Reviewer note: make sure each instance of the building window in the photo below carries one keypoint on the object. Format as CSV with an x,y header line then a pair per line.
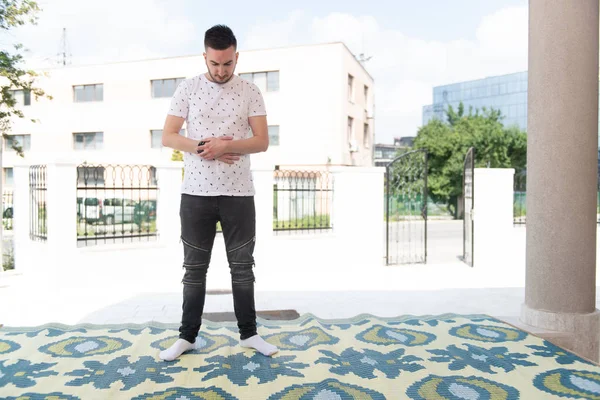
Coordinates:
x,y
84,93
349,133
156,138
366,136
22,97
8,177
274,135
350,87
273,81
88,141
366,95
267,81
90,176
22,141
153,179
165,87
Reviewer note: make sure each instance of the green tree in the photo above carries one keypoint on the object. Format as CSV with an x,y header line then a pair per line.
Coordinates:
x,y
13,76
496,146
177,155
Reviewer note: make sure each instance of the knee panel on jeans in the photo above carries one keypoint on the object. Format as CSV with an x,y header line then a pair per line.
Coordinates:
x,y
242,273
241,262
195,262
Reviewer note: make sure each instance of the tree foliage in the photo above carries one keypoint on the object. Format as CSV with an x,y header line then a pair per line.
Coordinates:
x,y
447,143
13,76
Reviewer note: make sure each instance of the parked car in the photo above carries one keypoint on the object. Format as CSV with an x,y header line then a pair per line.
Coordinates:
x,y
108,211
118,210
145,212
8,212
89,209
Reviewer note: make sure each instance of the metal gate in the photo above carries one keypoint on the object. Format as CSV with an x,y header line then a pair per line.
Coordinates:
x,y
520,197
468,197
406,209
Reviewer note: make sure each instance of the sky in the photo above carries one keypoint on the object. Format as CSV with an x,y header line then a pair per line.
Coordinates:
x,y
413,45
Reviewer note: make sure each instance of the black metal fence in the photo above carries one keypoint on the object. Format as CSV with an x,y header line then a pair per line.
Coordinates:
x,y
520,198
7,212
468,202
302,201
38,212
116,204
8,258
406,208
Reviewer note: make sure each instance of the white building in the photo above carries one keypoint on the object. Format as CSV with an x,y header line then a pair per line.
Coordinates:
x,y
319,102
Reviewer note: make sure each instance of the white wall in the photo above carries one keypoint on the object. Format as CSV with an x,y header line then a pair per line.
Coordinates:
x,y
493,215
355,240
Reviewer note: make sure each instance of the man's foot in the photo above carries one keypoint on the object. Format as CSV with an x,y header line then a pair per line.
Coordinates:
x,y
177,349
257,343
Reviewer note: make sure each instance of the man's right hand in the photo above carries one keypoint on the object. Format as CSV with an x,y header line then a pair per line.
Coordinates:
x,y
228,158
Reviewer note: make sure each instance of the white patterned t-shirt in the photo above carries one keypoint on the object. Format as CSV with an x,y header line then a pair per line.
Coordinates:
x,y
214,110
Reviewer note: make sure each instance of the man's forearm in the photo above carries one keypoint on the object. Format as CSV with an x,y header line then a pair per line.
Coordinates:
x,y
251,145
179,142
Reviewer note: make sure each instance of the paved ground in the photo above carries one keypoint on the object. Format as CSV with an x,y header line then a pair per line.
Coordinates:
x,y
92,294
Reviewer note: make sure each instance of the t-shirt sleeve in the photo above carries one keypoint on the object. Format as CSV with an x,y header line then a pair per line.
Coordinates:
x,y
256,104
179,101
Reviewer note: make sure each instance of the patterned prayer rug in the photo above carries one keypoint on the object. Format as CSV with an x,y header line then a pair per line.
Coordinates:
x,y
366,357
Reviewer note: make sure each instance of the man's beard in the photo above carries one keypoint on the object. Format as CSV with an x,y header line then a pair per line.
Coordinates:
x,y
218,80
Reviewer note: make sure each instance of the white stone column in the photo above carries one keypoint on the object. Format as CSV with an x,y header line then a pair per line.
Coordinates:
x,y
21,218
358,214
168,224
492,215
61,208
562,145
263,201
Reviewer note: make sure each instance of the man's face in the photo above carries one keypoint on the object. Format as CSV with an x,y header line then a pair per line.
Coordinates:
x,y
221,63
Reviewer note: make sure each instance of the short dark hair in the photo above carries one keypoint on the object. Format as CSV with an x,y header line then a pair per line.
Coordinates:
x,y
219,37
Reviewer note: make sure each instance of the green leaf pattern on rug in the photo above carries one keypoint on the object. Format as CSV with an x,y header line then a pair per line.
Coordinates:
x,y
238,368
479,358
386,336
301,340
365,363
120,369
85,346
23,373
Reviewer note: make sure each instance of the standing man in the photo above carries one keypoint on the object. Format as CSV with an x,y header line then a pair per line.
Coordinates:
x,y
220,109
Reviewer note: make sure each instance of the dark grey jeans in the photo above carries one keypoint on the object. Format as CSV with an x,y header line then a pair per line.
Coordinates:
x,y
199,216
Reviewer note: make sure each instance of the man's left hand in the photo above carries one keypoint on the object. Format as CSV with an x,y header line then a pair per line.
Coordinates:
x,y
213,148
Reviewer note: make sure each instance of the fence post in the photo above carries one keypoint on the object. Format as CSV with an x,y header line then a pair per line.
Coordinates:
x,y
358,213
169,195
21,220
493,215
61,205
263,201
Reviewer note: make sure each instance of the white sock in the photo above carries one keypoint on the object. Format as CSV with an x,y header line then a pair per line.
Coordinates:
x,y
259,344
177,349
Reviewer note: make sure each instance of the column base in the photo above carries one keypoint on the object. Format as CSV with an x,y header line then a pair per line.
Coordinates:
x,y
578,333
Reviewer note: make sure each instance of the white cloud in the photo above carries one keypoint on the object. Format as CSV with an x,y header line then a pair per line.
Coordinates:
x,y
406,68
267,34
109,30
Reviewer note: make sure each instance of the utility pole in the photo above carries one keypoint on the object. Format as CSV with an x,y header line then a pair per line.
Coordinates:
x,y
64,53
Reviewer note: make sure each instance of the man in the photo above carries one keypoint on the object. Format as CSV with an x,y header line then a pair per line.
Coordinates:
x,y
220,109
